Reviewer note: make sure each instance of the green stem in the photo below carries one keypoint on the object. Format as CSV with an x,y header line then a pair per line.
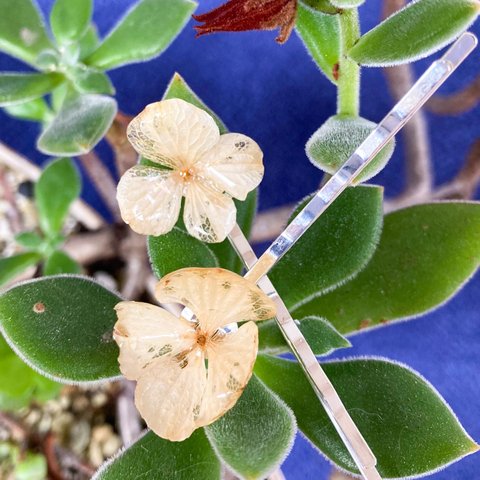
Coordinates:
x,y
348,102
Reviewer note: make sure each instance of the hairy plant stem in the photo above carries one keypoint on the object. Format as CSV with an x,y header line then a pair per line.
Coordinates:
x,y
348,95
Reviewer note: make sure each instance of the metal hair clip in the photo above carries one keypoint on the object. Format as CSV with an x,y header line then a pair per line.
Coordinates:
x,y
401,113
423,89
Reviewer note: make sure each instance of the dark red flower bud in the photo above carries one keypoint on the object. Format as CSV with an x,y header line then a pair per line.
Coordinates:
x,y
242,15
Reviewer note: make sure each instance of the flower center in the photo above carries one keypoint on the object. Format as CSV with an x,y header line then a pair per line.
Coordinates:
x,y
201,340
186,174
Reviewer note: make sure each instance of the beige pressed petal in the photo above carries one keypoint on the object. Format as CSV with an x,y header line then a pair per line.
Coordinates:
x,y
145,333
149,199
230,366
173,133
209,215
234,165
169,395
216,296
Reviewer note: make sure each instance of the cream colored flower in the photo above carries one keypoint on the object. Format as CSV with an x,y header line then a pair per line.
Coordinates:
x,y
177,390
207,168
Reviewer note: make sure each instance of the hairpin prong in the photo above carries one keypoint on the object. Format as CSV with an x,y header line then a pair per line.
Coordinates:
x,y
323,388
401,113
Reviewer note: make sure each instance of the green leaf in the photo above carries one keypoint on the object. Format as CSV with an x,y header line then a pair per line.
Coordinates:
x,y
178,88
22,30
177,249
335,248
91,80
255,436
155,458
19,384
22,87
62,326
322,337
12,266
414,32
426,254
31,467
69,19
80,124
89,42
321,35
58,96
145,32
55,190
246,210
48,60
335,141
37,110
409,427
59,262
30,240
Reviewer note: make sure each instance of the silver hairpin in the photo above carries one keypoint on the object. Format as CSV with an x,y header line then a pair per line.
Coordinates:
x,y
423,89
401,113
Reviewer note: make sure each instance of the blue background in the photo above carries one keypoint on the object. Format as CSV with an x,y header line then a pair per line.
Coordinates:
x,y
276,95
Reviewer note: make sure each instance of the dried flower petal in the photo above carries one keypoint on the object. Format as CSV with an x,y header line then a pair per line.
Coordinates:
x,y
173,133
149,199
243,15
234,165
207,215
169,395
230,366
145,333
216,296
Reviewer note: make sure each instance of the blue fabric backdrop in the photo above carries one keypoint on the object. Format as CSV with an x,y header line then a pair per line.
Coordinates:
x,y
276,95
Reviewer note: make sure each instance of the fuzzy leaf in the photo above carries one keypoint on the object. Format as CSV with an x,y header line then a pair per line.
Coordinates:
x,y
22,30
319,333
36,110
426,254
177,249
70,19
335,141
260,415
89,42
62,326
226,255
91,80
12,266
179,88
409,427
59,262
160,459
321,35
56,189
337,246
19,384
172,250
80,124
30,240
22,87
347,3
416,31
145,32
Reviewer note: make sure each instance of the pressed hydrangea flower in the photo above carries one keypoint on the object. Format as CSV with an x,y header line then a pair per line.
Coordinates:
x,y
242,15
207,168
190,372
